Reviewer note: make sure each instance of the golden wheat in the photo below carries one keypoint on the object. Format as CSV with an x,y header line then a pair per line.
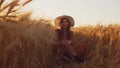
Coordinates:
x,y
26,43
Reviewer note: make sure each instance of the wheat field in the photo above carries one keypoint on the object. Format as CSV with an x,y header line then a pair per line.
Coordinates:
x,y
28,43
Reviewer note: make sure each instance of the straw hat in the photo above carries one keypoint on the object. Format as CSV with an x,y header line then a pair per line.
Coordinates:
x,y
58,19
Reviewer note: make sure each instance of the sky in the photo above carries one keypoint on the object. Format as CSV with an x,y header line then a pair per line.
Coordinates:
x,y
84,12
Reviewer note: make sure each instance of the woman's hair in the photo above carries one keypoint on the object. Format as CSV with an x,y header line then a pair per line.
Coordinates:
x,y
68,31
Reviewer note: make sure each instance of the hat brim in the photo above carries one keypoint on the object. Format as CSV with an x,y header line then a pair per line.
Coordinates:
x,y
58,19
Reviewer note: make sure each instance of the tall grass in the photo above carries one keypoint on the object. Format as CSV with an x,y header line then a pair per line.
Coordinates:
x,y
25,45
29,43
103,43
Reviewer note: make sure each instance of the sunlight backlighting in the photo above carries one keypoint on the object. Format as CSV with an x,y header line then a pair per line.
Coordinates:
x,y
87,12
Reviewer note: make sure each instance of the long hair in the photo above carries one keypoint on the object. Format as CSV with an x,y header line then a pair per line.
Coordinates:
x,y
61,31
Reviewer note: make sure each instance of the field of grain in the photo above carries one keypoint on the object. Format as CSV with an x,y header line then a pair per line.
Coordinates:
x,y
28,43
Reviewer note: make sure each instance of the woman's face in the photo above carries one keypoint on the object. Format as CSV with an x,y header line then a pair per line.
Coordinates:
x,y
64,23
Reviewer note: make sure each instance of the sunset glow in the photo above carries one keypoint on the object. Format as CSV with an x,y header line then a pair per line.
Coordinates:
x,y
87,12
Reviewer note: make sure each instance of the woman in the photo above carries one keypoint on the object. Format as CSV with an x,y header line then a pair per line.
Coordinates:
x,y
65,46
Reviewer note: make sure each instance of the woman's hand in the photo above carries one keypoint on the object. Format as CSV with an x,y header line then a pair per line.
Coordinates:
x,y
65,42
